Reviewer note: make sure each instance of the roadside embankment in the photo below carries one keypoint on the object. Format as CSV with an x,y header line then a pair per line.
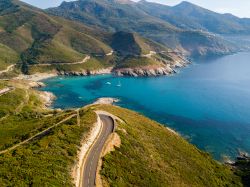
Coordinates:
x,y
77,171
113,141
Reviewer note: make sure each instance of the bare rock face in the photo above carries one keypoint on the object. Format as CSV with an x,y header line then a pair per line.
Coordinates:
x,y
147,72
47,98
167,69
34,84
86,72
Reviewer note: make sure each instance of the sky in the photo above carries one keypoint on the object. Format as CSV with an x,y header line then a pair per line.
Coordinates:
x,y
239,8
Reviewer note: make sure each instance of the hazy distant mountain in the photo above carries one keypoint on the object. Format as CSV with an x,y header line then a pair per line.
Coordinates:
x,y
117,15
189,16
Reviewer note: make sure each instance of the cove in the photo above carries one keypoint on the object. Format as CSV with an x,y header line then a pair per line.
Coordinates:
x,y
208,102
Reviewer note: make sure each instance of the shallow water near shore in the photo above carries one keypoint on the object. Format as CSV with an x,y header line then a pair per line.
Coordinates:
x,y
208,102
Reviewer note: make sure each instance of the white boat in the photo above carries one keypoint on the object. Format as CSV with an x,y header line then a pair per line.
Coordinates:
x,y
119,84
108,83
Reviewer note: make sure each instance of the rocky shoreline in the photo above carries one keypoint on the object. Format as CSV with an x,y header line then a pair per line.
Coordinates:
x,y
144,72
133,72
34,81
241,167
86,72
47,98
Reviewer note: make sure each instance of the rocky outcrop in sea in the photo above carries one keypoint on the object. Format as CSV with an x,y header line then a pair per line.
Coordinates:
x,y
149,71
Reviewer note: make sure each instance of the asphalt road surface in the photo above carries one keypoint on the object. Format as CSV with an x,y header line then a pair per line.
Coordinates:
x,y
90,167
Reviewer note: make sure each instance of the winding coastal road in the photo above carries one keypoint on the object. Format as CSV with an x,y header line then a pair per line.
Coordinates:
x,y
9,68
72,63
91,163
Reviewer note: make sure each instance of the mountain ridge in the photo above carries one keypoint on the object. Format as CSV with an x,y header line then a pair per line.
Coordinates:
x,y
44,43
135,18
187,15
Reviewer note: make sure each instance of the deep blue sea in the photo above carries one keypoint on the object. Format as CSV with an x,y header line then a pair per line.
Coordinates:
x,y
208,102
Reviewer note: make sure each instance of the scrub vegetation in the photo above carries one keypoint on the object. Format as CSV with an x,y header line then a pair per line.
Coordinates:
x,y
152,155
47,159
139,62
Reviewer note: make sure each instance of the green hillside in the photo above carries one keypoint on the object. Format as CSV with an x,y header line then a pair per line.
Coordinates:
x,y
8,56
95,63
47,159
36,38
151,155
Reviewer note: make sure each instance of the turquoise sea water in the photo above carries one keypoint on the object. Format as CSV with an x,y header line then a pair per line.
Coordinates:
x,y
208,102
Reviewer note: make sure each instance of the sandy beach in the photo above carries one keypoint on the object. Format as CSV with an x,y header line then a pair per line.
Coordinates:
x,y
36,77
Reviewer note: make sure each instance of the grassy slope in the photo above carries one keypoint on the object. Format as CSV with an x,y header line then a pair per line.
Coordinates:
x,y
91,65
151,155
7,57
56,52
47,160
149,45
138,62
21,115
